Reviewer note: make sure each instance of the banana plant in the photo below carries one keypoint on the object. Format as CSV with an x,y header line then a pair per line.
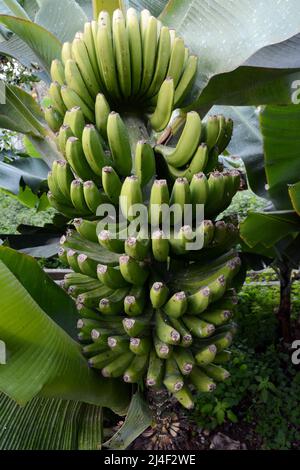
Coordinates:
x,y
152,312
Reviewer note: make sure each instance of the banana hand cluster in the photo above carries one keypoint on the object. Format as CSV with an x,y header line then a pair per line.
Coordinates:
x,y
152,310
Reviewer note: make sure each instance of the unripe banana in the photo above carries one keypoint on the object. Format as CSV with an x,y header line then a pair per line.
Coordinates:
x,y
72,260
144,163
220,233
137,326
77,197
112,184
198,327
134,303
118,344
164,331
105,55
184,359
155,372
75,120
92,298
186,337
93,149
206,355
135,48
225,137
197,165
185,398
53,118
66,52
131,195
215,193
180,240
90,350
201,381
162,349
57,72
176,60
149,53
88,37
160,246
222,357
54,188
64,134
159,196
158,294
132,271
177,305
198,302
199,189
64,209
93,196
211,131
113,304
187,144
173,380
110,277
122,53
112,243
217,317
56,98
162,61
119,144
164,107
181,197
81,56
75,81
102,111
87,266
140,346
136,370
217,288
144,19
86,229
186,82
76,159
137,248
103,359
217,373
72,100
62,254
118,366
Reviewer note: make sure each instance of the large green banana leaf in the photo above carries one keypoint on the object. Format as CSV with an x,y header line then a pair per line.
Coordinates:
x,y
49,424
24,171
248,49
42,358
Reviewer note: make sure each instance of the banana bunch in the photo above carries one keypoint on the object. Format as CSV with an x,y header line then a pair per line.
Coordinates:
x,y
155,301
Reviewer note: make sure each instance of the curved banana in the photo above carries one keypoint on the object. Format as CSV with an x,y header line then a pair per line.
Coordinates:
x,y
119,144
163,111
102,111
122,53
57,72
135,49
186,82
162,61
197,165
93,149
176,60
144,163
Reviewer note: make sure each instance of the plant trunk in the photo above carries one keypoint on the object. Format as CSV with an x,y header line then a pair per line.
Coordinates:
x,y
284,310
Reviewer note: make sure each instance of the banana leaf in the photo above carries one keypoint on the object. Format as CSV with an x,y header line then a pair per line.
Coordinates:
x,y
49,424
294,193
16,9
248,53
42,358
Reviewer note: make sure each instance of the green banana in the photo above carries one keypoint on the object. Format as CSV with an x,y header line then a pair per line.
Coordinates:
x,y
217,317
205,355
134,303
173,380
66,52
180,239
137,326
187,144
177,305
217,373
216,187
113,305
133,272
149,43
186,337
87,266
155,372
64,134
93,197
57,72
137,248
75,120
112,184
53,118
71,100
160,246
64,177
88,37
185,398
77,197
135,49
62,254
72,260
222,357
164,331
76,159
85,312
102,111
144,163
68,211
118,366
86,325
180,197
131,195
185,360
217,288
85,67
163,350
199,189
176,60
93,149
119,144
90,350
198,327
158,294
56,98
159,196
211,131
75,81
162,62
225,137
186,82
144,19
118,344
222,341
110,277
108,240
103,359
140,346
164,107
54,187
92,298
196,165
136,369
201,381
122,53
